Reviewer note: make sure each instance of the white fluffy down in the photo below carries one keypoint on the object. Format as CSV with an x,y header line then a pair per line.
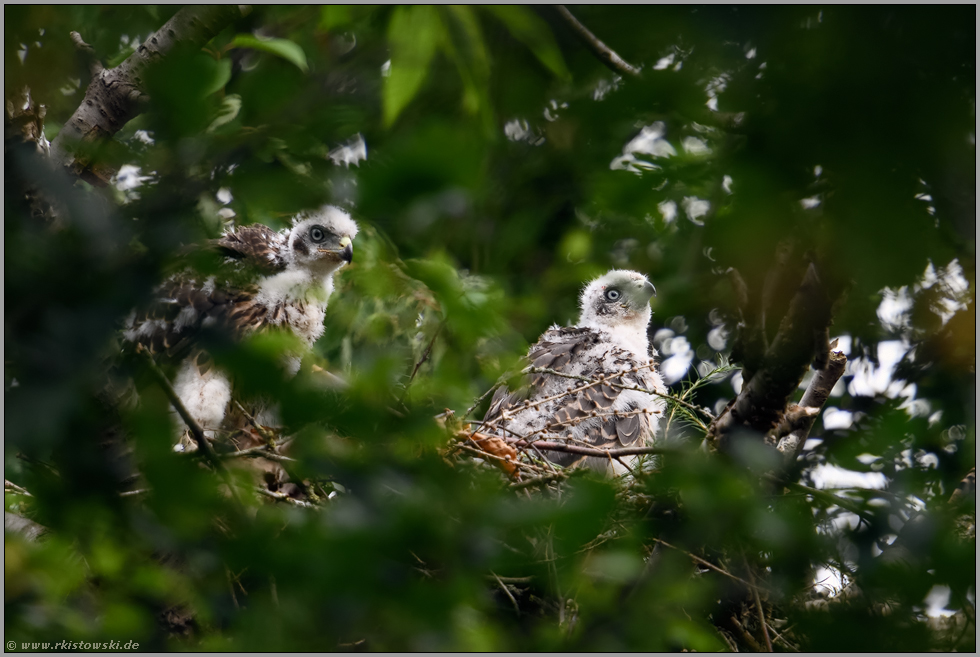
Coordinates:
x,y
204,397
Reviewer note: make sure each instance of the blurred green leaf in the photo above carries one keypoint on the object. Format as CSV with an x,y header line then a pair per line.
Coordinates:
x,y
525,26
223,74
414,33
332,16
288,50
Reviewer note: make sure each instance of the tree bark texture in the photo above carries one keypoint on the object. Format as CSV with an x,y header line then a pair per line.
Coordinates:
x,y
762,400
115,96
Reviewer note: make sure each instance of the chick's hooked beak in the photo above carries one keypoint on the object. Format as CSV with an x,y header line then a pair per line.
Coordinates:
x,y
347,255
647,291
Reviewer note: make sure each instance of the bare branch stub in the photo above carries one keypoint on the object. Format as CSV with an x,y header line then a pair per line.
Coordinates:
x,y
113,97
816,396
762,400
87,52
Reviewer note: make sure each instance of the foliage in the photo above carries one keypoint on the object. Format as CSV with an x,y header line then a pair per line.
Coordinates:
x,y
505,166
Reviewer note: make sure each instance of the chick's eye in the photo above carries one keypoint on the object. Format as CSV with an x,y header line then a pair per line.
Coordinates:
x,y
317,234
612,294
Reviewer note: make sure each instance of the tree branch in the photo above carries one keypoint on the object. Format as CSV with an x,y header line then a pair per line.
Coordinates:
x,y
762,400
587,451
605,54
115,96
282,497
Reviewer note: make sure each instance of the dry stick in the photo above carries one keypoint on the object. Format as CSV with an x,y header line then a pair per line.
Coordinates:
x,y
515,580
816,396
422,359
231,588
197,432
484,455
605,54
671,398
590,383
270,436
14,488
704,562
778,638
749,639
133,493
544,479
503,587
282,497
827,497
480,400
588,451
758,604
544,458
727,641
260,451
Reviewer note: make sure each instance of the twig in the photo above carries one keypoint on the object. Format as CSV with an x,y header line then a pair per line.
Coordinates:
x,y
544,479
727,641
778,638
231,588
605,54
480,400
588,451
620,461
704,562
506,591
513,580
604,380
14,488
749,639
262,451
484,455
282,497
196,431
758,604
826,496
422,359
270,436
134,493
544,458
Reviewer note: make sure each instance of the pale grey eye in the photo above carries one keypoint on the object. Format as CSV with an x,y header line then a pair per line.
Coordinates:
x,y
317,234
613,294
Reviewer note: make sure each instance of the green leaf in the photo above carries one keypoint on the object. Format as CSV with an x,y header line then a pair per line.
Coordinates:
x,y
332,16
468,50
525,26
413,34
288,50
221,76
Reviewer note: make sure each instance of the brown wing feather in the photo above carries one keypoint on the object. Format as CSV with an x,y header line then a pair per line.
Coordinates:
x,y
256,243
556,354
548,354
171,324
